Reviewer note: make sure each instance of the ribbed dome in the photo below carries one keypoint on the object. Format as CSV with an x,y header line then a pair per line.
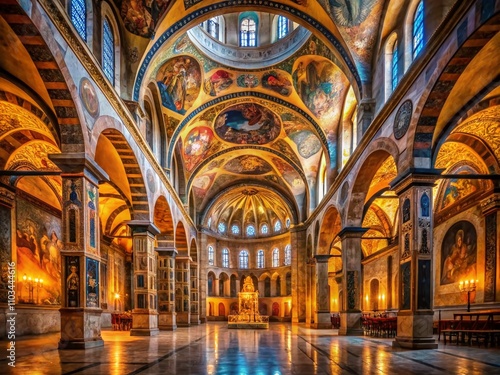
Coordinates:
x,y
248,212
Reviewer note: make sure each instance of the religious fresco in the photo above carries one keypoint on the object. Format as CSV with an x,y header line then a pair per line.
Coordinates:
x,y
140,17
283,147
485,126
89,97
35,155
217,82
38,247
459,253
277,82
319,84
456,189
247,123
307,143
196,146
19,117
91,202
202,183
247,81
179,82
290,175
248,164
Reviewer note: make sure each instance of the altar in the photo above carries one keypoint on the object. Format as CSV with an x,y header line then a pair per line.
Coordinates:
x,y
248,309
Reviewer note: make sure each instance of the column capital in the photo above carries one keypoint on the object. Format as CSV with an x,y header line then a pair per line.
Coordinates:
x,y
352,232
415,177
166,251
490,204
143,226
79,163
322,258
7,196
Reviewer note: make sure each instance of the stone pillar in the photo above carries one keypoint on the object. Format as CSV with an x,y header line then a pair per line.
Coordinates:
x,y
80,281
491,211
166,287
366,111
415,315
216,287
195,299
144,314
298,243
350,317
182,293
322,311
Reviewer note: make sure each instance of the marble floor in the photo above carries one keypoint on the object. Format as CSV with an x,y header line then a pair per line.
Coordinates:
x,y
213,349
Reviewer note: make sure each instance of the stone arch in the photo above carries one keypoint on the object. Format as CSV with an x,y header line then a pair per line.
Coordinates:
x,y
330,227
180,239
162,218
193,250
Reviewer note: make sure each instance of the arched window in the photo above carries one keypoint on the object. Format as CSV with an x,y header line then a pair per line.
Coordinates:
x,y
283,28
213,27
248,29
211,255
287,223
108,51
250,230
222,227
394,65
276,258
260,259
418,29
235,229
288,255
264,229
244,259
225,258
78,13
277,226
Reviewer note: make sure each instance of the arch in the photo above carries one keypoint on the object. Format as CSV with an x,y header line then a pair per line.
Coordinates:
x,y
162,218
180,239
193,250
222,309
330,227
211,284
391,46
408,33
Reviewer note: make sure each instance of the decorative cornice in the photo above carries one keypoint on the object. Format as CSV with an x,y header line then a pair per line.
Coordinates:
x,y
60,20
415,177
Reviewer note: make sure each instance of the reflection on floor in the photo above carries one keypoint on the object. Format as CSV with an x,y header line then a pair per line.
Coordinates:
x,y
213,349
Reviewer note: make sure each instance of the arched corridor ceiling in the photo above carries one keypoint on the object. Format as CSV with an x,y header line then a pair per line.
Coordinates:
x,y
229,124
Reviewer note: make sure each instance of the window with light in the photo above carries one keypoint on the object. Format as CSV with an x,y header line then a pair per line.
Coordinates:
x,y
244,259
108,51
418,30
283,29
250,231
276,258
225,258
288,255
260,259
277,226
395,66
211,255
78,14
248,33
221,227
213,27
264,229
235,229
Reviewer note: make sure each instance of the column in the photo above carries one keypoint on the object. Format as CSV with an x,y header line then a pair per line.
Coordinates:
x,y
298,243
216,287
194,300
8,253
350,316
144,314
491,210
415,315
167,318
81,257
322,311
366,110
182,293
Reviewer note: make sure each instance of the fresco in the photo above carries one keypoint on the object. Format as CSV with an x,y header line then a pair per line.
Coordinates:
x,y
283,147
196,145
38,248
247,80
179,81
319,86
459,253
141,16
458,188
247,123
307,143
350,13
217,82
248,164
277,82
290,175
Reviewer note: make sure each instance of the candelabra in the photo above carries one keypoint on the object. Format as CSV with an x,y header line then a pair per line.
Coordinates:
x,y
31,285
468,286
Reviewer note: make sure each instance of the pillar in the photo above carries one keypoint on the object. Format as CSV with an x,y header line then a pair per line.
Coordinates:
x,y
415,315
194,300
491,210
298,243
144,314
366,112
167,319
81,257
322,310
182,293
350,316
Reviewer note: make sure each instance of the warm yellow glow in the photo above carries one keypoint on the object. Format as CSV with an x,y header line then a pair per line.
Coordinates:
x,y
117,296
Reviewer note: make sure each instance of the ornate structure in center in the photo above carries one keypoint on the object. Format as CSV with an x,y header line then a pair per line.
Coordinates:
x,y
248,309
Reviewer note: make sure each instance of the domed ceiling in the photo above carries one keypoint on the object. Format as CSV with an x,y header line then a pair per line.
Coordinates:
x,y
267,126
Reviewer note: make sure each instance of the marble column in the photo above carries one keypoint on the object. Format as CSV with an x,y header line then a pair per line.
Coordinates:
x,y
415,315
183,293
144,314
195,296
350,317
216,287
491,210
80,256
167,319
322,311
298,243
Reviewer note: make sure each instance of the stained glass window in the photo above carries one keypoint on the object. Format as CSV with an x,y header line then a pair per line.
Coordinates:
x,y
277,226
264,229
418,29
222,227
250,230
395,66
78,13
288,255
276,258
235,229
211,255
247,33
225,258
108,51
244,259
260,259
213,27
282,27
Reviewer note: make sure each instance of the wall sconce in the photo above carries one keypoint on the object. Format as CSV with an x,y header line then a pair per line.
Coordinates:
x,y
467,286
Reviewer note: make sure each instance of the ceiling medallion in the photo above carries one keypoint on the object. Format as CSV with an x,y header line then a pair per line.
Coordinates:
x,y
250,191
402,119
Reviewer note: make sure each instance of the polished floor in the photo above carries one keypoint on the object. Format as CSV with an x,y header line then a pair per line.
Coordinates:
x,y
213,349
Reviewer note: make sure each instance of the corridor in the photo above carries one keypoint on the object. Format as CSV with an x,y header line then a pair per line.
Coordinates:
x,y
213,349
